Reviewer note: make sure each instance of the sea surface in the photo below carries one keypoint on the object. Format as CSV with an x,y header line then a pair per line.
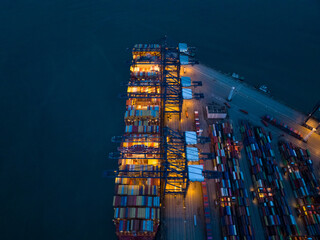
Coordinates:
x,y
61,63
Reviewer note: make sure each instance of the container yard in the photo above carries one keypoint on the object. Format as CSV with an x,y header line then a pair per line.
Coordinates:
x,y
305,185
268,189
186,174
232,198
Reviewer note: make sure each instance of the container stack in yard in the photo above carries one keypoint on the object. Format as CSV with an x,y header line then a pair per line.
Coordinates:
x,y
207,213
274,210
284,127
304,184
302,238
137,199
206,204
232,196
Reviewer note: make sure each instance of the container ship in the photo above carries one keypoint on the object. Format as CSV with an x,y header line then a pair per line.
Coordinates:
x,y
137,199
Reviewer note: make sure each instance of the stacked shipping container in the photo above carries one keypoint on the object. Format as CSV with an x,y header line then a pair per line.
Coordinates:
x,y
207,212
274,210
283,126
136,202
304,184
232,195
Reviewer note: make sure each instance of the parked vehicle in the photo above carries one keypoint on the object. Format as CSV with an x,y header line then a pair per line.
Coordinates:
x,y
243,111
264,123
197,122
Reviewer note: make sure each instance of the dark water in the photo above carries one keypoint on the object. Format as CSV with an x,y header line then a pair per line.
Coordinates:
x,y
61,63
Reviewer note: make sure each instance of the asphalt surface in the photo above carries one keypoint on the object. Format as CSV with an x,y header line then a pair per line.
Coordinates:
x,y
174,217
179,212
194,198
194,209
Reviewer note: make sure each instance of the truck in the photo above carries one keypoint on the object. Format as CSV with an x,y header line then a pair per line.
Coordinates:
x,y
264,123
244,111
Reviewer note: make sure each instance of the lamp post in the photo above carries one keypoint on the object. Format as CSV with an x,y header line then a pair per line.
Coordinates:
x,y
231,94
